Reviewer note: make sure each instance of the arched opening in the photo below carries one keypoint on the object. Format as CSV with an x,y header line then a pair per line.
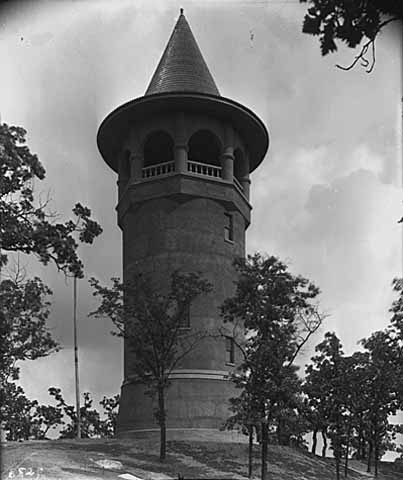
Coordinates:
x,y
158,149
204,147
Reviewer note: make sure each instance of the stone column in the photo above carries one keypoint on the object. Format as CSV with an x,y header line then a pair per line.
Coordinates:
x,y
136,163
180,148
245,179
227,164
227,158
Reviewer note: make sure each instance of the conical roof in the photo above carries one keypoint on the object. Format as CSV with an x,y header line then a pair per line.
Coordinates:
x,y
182,67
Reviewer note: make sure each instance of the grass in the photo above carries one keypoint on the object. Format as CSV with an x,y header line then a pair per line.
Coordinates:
x,y
190,457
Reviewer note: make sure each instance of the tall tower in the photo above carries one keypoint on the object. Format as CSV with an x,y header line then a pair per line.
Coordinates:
x,y
183,154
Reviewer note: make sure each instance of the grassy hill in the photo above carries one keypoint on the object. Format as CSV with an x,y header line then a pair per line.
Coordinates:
x,y
208,457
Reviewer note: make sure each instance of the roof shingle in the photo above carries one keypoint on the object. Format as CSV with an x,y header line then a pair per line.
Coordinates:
x,y
182,67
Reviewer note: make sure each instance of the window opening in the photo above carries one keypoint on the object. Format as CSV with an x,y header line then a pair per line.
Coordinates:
x,y
184,321
228,227
230,349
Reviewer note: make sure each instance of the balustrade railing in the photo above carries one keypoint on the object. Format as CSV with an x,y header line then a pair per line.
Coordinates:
x,y
158,169
197,168
204,169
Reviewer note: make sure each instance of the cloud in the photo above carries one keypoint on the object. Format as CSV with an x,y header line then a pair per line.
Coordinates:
x,y
326,199
339,230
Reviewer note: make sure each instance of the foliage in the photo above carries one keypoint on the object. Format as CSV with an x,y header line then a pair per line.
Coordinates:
x,y
25,224
25,419
23,330
108,425
23,336
326,377
382,383
151,321
350,22
354,396
275,316
89,417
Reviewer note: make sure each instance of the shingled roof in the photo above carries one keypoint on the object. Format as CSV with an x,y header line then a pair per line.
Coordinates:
x,y
182,67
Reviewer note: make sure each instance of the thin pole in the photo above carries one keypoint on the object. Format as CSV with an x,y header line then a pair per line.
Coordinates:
x,y
76,358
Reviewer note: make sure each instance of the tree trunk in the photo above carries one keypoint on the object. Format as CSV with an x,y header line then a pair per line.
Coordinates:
x,y
369,456
337,455
282,437
376,457
162,422
265,443
324,448
337,466
361,441
250,451
314,441
347,447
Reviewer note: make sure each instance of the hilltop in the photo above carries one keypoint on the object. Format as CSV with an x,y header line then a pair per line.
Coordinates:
x,y
191,457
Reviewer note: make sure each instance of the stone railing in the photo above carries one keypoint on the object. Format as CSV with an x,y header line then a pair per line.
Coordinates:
x,y
204,169
158,170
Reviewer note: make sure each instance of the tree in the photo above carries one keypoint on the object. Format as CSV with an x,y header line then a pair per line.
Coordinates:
x,y
45,418
350,22
277,318
381,391
16,413
110,406
151,321
26,225
325,384
25,419
24,336
89,417
25,310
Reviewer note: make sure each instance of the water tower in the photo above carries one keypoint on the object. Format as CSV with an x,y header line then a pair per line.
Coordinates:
x,y
183,155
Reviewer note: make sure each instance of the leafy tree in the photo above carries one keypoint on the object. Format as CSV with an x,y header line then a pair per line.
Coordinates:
x,y
89,417
25,419
151,322
16,412
45,418
245,416
325,378
26,225
350,22
354,396
275,311
382,383
25,310
108,426
24,336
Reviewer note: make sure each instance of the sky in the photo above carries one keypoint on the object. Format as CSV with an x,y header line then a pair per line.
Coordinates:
x,y
326,199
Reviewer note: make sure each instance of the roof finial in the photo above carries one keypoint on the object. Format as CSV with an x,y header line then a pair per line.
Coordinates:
x,y
181,10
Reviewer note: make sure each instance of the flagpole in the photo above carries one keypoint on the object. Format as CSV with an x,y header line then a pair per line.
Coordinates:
x,y
76,358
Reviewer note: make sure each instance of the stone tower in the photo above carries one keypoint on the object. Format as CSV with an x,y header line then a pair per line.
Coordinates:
x,y
183,154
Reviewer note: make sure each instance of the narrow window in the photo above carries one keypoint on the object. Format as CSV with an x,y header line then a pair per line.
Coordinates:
x,y
228,227
184,320
230,350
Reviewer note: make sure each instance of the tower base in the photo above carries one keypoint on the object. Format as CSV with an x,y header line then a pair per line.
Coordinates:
x,y
191,403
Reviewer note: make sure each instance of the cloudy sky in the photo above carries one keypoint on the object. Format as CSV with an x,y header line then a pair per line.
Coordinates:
x,y
326,199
